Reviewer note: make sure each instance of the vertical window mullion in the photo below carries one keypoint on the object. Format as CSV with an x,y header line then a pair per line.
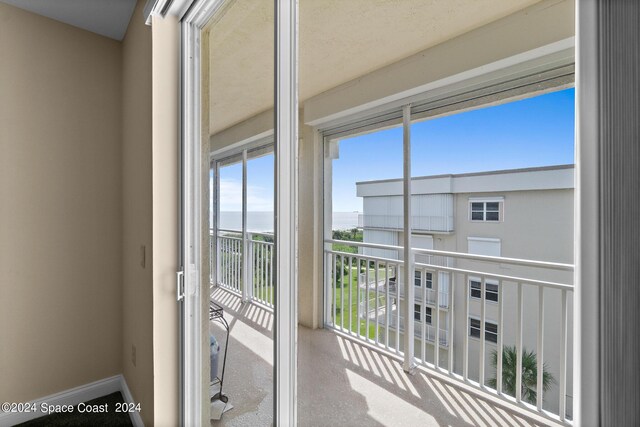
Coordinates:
x,y
286,159
408,364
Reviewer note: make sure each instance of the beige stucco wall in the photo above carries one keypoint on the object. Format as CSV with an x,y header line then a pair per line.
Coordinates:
x,y
165,95
546,236
137,279
543,23
60,206
310,228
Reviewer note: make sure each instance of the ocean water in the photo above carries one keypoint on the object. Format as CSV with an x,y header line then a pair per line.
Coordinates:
x,y
345,220
263,221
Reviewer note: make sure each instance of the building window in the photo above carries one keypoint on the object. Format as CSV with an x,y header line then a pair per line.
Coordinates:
x,y
490,291
485,210
429,280
490,330
489,246
474,327
417,278
476,288
417,312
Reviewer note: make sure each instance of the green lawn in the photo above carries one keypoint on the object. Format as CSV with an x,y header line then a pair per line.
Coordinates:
x,y
265,293
342,296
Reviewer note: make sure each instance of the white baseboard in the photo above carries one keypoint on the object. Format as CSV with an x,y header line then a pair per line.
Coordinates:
x,y
136,419
75,396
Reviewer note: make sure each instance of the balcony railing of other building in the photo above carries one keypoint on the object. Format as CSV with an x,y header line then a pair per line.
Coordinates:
x,y
423,331
362,301
396,222
228,264
423,282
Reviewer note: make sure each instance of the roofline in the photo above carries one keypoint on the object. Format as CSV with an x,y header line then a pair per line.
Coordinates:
x,y
497,172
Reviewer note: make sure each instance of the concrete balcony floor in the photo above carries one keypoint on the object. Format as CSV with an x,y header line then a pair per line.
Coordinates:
x,y
342,382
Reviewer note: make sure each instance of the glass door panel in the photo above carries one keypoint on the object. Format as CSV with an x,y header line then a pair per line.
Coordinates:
x,y
239,48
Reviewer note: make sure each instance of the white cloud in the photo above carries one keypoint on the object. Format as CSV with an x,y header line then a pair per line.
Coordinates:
x,y
258,198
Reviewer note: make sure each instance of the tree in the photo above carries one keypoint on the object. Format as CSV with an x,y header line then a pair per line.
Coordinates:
x,y
529,373
343,270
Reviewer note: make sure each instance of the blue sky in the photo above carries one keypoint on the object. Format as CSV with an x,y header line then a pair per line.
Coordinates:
x,y
259,186
532,132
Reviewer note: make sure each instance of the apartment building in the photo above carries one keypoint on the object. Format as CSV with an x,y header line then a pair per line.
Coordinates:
x,y
522,214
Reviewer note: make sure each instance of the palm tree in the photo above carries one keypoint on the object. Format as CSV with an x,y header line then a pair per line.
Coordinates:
x,y
529,373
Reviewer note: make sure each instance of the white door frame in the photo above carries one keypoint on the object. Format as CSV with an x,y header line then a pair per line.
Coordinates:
x,y
192,373
286,145
286,212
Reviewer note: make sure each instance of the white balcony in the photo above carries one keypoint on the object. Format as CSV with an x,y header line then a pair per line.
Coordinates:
x,y
418,329
368,305
364,301
230,264
436,223
339,374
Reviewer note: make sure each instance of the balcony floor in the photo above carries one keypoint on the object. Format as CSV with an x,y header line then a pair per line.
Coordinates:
x,y
341,382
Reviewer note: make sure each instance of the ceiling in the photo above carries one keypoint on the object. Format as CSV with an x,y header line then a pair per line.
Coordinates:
x,y
340,40
109,18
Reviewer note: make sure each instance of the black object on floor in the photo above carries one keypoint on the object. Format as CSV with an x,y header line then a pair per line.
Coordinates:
x,y
216,312
77,419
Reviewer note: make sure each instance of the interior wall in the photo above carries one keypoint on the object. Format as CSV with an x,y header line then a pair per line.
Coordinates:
x,y
137,261
165,114
60,206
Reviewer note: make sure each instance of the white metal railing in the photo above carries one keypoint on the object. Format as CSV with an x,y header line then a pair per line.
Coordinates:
x,y
424,290
261,268
228,264
369,280
418,222
420,327
359,297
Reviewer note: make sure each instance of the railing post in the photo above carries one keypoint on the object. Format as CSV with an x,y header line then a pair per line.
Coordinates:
x,y
249,266
216,222
217,254
483,329
436,342
465,349
519,310
500,337
328,279
409,364
540,350
563,358
211,258
451,316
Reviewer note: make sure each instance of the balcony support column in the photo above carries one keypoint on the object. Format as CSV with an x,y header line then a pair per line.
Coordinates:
x,y
408,364
246,289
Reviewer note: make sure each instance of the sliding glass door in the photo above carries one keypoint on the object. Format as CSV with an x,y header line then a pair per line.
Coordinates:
x,y
243,127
